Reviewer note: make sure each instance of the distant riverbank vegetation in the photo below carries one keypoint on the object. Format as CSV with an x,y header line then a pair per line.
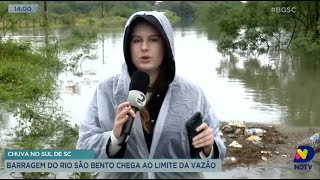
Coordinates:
x,y
71,13
246,26
256,25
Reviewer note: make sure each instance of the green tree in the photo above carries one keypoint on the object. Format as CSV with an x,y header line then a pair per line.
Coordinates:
x,y
173,18
121,10
59,8
253,26
184,9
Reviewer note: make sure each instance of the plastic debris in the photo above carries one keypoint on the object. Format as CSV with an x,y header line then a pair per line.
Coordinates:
x,y
235,144
315,138
264,158
220,133
237,124
259,144
238,131
313,141
254,131
229,160
254,138
265,152
277,152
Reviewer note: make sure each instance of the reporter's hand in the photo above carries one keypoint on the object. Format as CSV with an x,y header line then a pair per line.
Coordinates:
x,y
204,139
121,118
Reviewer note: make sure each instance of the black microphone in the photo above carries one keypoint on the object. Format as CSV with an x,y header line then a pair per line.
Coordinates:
x,y
137,99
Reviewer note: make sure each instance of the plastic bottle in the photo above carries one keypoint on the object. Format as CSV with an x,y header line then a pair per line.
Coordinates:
x,y
254,131
315,138
313,141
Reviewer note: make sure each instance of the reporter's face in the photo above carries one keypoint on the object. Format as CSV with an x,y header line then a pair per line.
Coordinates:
x,y
147,48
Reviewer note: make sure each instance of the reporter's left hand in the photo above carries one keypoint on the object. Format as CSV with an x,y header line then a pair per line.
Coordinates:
x,y
204,139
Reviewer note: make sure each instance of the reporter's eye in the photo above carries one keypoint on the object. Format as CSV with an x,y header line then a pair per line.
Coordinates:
x,y
135,40
154,39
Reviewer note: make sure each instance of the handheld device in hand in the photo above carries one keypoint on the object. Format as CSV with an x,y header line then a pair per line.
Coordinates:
x,y
192,124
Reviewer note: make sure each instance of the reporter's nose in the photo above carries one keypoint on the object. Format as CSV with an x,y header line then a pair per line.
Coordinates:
x,y
144,46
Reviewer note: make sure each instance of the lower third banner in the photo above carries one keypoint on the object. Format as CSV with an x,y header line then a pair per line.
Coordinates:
x,y
114,165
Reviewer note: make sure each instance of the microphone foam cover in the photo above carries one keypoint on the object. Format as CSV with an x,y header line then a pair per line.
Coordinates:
x,y
139,81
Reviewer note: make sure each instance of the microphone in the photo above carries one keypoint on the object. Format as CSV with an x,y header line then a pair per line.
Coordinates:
x,y
137,99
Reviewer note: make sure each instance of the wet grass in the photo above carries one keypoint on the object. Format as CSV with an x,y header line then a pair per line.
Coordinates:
x,y
29,91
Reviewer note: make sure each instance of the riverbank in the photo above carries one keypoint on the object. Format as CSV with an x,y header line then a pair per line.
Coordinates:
x,y
278,144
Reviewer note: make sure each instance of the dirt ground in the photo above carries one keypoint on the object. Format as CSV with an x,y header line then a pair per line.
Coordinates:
x,y
277,144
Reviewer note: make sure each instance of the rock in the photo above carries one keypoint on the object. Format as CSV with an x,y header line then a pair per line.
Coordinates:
x,y
259,144
229,130
280,141
232,136
239,131
274,140
225,126
268,138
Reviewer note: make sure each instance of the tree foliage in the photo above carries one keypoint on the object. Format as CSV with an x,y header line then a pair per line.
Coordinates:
x,y
254,26
183,9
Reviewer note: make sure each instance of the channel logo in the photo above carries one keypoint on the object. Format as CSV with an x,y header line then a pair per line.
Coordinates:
x,y
303,154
